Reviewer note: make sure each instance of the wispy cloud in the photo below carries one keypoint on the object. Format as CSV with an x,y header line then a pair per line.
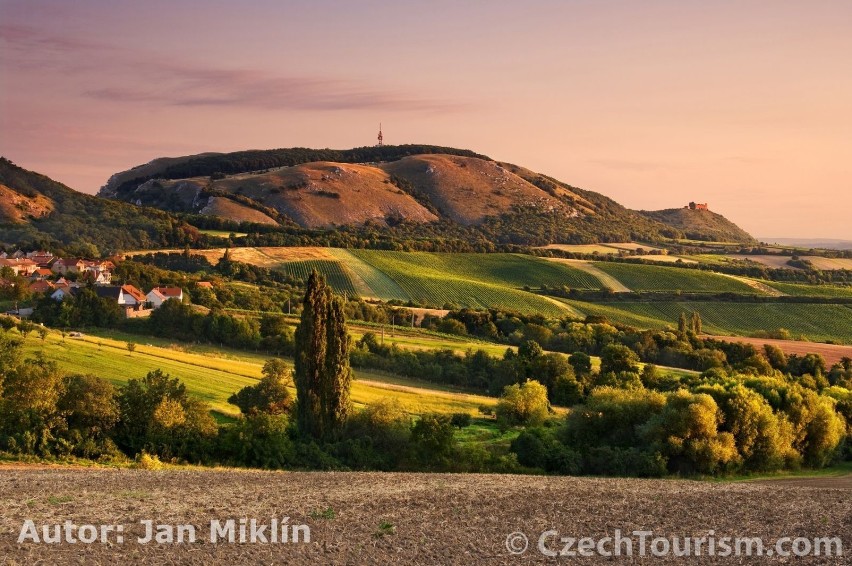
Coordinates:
x,y
122,76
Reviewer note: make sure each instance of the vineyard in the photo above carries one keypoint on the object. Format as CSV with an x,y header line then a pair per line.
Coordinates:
x,y
335,273
798,290
657,278
508,270
439,279
817,322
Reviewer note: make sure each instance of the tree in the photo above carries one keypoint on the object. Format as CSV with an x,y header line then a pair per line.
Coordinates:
x,y
523,404
89,404
323,375
158,415
581,362
696,323
433,438
270,395
681,326
131,347
617,358
42,333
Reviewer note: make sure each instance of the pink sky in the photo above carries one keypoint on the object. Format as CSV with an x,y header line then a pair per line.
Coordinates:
x,y
746,105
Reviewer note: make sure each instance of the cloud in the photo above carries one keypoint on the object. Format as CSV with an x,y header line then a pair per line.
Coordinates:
x,y
122,76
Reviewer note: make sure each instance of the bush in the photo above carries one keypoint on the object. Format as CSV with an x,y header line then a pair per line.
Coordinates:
x,y
523,405
145,461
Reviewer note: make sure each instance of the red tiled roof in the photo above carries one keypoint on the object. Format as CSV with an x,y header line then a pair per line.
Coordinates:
x,y
41,286
171,292
134,292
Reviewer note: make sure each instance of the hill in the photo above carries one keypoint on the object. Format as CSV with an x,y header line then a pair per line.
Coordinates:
x,y
37,211
703,225
458,193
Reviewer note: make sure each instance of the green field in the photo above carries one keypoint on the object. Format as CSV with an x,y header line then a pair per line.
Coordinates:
x,y
436,279
335,273
223,233
817,322
474,280
658,278
213,374
800,290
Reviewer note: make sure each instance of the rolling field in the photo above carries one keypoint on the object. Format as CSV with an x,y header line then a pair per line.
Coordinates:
x,y
657,278
799,290
336,274
469,280
473,280
817,322
213,374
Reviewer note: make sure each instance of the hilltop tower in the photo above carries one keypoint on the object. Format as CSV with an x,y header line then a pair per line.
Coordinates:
x,y
380,135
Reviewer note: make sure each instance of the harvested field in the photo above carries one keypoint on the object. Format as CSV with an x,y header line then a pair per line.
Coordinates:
x,y
832,353
375,518
262,257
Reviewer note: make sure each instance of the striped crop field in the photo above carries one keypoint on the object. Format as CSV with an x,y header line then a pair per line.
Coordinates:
x,y
336,273
817,322
427,278
658,278
799,290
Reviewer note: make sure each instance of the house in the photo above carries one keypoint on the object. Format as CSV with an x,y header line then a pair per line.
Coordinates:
x,y
97,277
204,285
159,295
61,292
126,295
3,255
41,286
66,266
24,267
41,273
41,257
698,206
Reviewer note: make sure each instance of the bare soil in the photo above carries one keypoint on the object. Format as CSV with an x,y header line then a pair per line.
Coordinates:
x,y
396,518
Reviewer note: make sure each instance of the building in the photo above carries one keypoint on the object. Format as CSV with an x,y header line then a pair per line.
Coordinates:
x,y
126,295
40,286
66,266
698,206
159,295
23,267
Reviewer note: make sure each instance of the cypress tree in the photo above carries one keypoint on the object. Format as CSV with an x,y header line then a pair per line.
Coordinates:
x,y
681,326
323,375
696,323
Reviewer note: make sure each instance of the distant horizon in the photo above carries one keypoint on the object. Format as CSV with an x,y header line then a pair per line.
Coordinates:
x,y
742,105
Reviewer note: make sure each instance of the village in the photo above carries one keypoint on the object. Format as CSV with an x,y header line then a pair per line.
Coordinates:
x,y
57,277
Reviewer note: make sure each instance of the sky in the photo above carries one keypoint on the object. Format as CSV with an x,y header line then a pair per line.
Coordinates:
x,y
746,104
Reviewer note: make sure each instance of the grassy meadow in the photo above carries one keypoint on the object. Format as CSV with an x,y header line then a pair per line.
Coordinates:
x,y
213,373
